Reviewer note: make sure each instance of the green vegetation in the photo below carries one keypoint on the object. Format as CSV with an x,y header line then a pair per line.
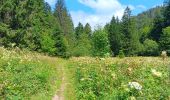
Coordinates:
x,y
29,75
25,75
101,45
30,29
33,25
121,79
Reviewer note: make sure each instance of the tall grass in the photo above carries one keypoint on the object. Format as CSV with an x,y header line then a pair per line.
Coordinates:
x,y
135,78
23,75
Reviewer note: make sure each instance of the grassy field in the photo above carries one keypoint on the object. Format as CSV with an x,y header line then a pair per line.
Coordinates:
x,y
26,75
133,78
31,76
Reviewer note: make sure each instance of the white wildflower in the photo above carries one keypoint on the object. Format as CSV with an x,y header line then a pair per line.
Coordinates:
x,y
135,85
156,73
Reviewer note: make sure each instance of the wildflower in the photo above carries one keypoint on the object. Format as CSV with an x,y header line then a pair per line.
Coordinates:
x,y
135,85
102,59
164,55
156,73
129,69
113,75
82,79
132,98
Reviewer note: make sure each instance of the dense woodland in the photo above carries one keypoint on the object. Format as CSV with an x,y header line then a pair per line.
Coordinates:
x,y
33,25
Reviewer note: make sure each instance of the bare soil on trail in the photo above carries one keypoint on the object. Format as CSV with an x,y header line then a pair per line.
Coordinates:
x,y
60,93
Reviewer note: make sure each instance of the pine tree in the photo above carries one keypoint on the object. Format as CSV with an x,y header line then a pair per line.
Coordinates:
x,y
115,35
167,12
83,40
130,36
79,30
64,18
87,30
65,23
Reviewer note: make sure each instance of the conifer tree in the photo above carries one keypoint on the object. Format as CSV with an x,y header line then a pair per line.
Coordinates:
x,y
167,12
87,29
79,30
130,35
64,18
115,35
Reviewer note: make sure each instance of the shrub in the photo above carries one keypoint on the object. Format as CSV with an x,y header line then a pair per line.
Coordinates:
x,y
100,43
151,47
121,54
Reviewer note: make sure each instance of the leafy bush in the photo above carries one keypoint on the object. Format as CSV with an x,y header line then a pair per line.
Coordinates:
x,y
121,54
151,47
82,47
165,40
100,43
48,44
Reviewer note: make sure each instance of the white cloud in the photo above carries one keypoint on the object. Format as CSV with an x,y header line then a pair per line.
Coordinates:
x,y
92,19
103,12
102,6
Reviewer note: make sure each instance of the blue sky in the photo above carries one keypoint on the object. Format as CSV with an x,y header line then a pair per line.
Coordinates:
x,y
100,12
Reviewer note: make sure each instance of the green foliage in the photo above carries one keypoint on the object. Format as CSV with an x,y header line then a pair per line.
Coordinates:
x,y
66,28
87,29
100,43
83,41
60,44
32,24
151,48
144,33
156,31
83,47
165,39
79,30
167,12
63,17
121,54
48,44
132,78
115,36
24,75
130,36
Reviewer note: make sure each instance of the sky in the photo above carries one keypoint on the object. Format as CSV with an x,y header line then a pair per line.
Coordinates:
x,y
100,12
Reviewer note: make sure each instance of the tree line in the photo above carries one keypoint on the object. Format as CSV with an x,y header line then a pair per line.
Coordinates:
x,y
33,25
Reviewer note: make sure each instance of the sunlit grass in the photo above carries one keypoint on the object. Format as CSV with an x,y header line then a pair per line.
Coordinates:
x,y
27,75
110,78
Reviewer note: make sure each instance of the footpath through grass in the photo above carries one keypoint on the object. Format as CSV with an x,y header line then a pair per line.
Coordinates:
x,y
25,75
30,76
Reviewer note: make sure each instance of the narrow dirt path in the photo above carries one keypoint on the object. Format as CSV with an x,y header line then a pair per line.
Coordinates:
x,y
60,93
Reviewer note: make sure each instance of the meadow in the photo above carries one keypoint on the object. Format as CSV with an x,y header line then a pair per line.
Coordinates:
x,y
131,78
27,75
